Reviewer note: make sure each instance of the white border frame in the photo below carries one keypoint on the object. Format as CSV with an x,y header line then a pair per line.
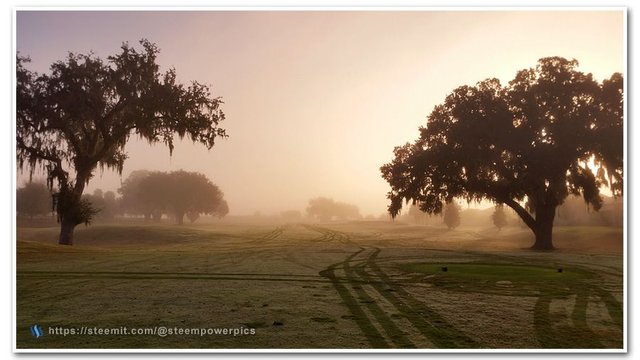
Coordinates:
x,y
351,8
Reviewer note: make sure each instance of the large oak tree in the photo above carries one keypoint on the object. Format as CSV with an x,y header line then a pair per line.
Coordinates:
x,y
80,116
527,145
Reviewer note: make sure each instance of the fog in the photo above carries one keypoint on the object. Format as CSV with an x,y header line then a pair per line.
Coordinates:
x,y
316,101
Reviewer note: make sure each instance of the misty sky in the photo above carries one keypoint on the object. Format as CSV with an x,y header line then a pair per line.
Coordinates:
x,y
316,101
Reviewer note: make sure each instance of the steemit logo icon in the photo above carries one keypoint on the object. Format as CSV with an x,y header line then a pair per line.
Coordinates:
x,y
36,331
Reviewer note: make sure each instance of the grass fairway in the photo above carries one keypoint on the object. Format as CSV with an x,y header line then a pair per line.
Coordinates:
x,y
353,285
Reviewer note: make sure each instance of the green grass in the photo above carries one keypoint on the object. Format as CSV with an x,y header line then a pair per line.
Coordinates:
x,y
355,285
544,282
503,279
499,272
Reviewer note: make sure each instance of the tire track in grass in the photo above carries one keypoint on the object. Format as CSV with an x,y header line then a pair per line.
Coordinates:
x,y
614,308
165,276
393,332
576,336
370,331
382,286
387,323
579,317
426,320
542,323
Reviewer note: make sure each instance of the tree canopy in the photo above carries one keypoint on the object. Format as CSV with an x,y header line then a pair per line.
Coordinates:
x,y
452,215
325,209
81,114
499,217
177,193
104,203
33,199
529,141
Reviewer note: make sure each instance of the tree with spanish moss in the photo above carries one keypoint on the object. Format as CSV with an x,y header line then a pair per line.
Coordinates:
x,y
451,215
527,145
80,115
499,217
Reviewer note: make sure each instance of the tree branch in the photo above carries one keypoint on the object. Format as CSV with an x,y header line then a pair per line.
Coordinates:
x,y
524,214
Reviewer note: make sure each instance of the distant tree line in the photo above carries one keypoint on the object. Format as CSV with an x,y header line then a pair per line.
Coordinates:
x,y
33,200
573,212
144,193
106,205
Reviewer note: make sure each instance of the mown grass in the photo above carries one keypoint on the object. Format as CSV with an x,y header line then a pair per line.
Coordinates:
x,y
500,278
544,282
259,276
499,272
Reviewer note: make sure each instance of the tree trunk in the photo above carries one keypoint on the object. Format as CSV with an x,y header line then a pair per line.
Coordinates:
x,y
542,225
180,218
67,208
544,228
66,232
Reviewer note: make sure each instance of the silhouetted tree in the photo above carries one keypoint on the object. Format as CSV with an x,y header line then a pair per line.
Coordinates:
x,y
81,115
153,194
179,193
499,217
325,209
112,206
418,216
528,141
33,199
129,191
103,203
321,208
452,215
193,216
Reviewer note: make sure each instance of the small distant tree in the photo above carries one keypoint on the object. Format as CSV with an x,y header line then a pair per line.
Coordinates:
x,y
33,199
154,194
321,208
499,217
221,209
325,209
95,202
130,200
452,215
111,203
418,216
182,193
345,211
103,203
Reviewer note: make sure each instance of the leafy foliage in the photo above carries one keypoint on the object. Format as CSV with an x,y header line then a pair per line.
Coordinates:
x,y
81,115
177,193
33,199
325,209
104,203
528,141
452,215
499,217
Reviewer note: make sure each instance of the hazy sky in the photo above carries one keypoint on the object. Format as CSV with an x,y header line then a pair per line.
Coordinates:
x,y
316,101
